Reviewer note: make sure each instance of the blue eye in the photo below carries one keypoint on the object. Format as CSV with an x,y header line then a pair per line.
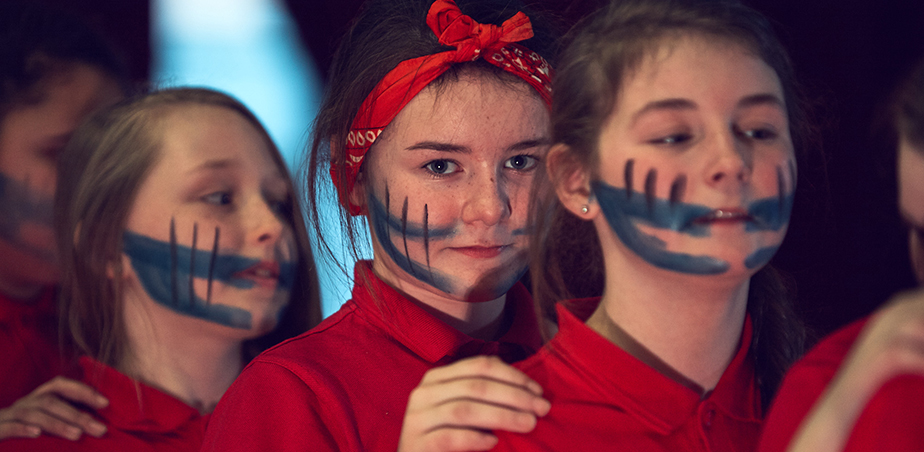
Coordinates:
x,y
219,198
442,167
521,162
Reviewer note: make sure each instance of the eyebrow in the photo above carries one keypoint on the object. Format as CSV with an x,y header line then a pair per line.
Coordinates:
x,y
761,99
455,148
664,104
679,104
217,164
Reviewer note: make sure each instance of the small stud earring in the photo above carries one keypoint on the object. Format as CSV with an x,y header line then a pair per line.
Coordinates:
x,y
585,208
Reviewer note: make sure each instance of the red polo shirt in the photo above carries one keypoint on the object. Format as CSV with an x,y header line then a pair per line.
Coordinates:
x,y
139,418
345,384
604,399
29,351
893,420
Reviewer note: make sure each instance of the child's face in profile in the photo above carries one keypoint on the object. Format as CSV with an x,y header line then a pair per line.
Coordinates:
x,y
31,137
696,170
208,236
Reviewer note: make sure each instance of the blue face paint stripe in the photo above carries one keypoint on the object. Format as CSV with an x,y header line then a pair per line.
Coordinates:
x,y
426,236
19,205
192,260
404,233
208,297
381,223
154,263
770,214
678,188
627,175
760,257
173,263
617,211
650,182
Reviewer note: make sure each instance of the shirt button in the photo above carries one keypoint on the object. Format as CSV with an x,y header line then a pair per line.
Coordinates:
x,y
708,415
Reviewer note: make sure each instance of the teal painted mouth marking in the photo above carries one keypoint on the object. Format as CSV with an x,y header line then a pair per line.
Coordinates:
x,y
623,208
386,225
167,270
19,207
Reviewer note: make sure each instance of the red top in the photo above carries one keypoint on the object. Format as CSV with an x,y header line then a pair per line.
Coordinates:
x,y
139,418
892,420
603,398
29,352
345,384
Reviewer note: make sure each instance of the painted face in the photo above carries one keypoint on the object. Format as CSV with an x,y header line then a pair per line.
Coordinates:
x,y
911,201
696,167
31,136
207,235
447,187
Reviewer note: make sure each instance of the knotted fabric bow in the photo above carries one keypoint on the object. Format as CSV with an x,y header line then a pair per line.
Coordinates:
x,y
472,40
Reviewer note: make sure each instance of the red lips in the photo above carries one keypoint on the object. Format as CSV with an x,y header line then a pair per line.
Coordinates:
x,y
264,274
481,252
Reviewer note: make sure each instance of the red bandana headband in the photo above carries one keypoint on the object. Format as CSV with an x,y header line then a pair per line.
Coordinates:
x,y
471,41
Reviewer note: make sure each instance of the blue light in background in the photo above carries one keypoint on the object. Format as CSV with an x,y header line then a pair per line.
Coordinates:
x,y
251,50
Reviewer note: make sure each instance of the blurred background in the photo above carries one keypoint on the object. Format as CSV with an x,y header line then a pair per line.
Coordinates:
x,y
847,248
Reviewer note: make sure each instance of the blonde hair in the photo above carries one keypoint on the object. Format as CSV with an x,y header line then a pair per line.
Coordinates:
x,y
99,174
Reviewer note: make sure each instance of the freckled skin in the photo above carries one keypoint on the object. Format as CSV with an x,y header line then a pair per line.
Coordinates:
x,y
444,196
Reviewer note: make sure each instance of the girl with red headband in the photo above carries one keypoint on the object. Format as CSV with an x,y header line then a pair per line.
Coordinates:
x,y
672,180
432,130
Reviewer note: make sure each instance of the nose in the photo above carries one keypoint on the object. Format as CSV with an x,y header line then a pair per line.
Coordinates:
x,y
267,225
487,200
731,163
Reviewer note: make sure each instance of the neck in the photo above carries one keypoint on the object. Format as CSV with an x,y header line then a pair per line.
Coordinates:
x,y
177,356
480,320
688,327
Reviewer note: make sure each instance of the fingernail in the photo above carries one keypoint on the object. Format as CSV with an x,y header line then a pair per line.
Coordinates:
x,y
73,433
33,431
542,407
101,401
534,387
96,429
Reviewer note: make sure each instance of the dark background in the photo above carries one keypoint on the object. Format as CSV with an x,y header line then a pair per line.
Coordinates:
x,y
846,249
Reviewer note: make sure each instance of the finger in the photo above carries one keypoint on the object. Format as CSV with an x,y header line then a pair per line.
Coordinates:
x,y
49,424
458,439
481,366
14,429
75,391
482,390
470,414
64,411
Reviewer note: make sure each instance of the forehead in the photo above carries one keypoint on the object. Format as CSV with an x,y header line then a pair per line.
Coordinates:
x,y
193,133
911,182
473,109
705,69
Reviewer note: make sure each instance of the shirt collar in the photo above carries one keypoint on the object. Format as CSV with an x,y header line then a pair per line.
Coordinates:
x,y
135,406
431,338
655,399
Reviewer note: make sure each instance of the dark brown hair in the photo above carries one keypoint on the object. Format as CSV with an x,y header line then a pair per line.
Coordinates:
x,y
567,261
385,33
37,43
99,174
908,108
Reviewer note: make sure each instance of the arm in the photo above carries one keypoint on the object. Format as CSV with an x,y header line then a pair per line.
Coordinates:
x,y
891,344
49,409
454,407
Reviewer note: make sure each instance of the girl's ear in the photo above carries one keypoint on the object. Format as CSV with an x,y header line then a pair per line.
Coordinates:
x,y
572,182
358,192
